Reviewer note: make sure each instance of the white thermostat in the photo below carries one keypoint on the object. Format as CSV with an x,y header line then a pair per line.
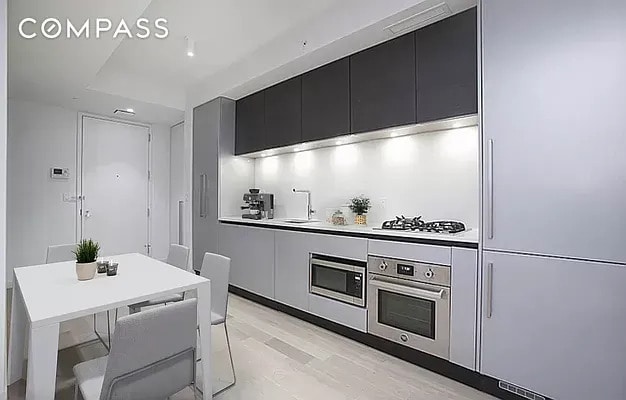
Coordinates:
x,y
59,173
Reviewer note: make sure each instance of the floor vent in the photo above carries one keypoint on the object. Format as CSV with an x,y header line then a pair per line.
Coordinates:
x,y
527,394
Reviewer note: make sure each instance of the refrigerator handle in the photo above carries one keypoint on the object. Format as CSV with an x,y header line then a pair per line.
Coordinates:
x,y
489,290
490,189
203,195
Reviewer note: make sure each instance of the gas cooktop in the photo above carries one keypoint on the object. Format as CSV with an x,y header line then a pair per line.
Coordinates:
x,y
403,223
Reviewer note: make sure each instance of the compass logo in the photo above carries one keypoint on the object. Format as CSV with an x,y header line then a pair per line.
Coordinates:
x,y
53,28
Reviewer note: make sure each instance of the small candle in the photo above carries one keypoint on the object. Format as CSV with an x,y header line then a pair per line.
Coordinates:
x,y
112,269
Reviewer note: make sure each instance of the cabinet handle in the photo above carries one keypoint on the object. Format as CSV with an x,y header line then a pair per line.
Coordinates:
x,y
203,195
489,290
490,188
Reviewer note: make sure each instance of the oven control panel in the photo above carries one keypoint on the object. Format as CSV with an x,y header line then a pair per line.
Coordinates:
x,y
412,270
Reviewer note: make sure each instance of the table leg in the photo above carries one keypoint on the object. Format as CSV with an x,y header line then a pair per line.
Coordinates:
x,y
42,362
204,321
19,322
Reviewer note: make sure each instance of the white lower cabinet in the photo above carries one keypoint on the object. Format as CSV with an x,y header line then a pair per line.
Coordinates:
x,y
251,251
555,326
336,311
292,268
463,307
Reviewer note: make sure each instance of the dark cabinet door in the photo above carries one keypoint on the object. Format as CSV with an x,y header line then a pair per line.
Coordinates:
x,y
283,113
326,101
447,68
250,124
383,85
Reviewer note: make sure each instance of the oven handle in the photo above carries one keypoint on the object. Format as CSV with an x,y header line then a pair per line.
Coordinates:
x,y
407,289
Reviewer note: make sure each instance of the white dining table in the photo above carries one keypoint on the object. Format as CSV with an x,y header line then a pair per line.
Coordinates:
x,y
46,295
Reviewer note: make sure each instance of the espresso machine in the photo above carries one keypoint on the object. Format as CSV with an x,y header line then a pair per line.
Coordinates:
x,y
258,205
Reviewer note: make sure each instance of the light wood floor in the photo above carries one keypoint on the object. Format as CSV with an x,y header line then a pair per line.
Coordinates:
x,y
278,357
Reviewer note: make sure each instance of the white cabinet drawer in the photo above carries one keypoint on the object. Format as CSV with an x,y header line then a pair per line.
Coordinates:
x,y
339,246
410,251
336,311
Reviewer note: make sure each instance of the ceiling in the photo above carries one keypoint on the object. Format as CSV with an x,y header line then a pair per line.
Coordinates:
x,y
240,46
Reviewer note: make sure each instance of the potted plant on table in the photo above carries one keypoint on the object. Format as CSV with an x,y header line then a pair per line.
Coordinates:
x,y
86,255
360,206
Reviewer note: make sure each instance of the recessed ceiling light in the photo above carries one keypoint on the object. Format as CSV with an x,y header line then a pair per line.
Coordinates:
x,y
393,134
339,142
456,125
125,111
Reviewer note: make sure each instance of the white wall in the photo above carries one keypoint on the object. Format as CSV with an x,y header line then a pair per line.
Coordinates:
x,y
3,190
42,136
39,137
431,174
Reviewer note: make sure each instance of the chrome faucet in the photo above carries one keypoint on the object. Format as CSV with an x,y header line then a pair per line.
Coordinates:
x,y
309,209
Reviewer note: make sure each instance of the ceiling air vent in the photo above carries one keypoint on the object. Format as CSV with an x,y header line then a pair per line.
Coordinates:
x,y
127,113
527,394
420,19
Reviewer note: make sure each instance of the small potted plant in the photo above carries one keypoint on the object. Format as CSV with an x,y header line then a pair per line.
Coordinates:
x,y
86,255
360,206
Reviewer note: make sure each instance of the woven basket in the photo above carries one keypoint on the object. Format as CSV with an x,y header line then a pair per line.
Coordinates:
x,y
360,219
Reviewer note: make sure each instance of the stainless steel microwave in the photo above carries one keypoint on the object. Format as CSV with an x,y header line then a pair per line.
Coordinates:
x,y
338,278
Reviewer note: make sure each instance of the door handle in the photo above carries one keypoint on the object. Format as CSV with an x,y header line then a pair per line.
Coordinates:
x,y
490,189
181,205
203,195
87,214
408,290
489,290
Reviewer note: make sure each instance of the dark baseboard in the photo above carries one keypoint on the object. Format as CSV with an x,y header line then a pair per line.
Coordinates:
x,y
453,371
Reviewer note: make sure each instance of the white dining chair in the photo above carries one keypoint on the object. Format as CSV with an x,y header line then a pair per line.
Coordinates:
x,y
178,256
152,356
216,268
60,253
64,252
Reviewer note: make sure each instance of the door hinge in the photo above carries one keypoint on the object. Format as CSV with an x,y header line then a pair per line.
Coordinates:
x,y
149,175
149,137
148,212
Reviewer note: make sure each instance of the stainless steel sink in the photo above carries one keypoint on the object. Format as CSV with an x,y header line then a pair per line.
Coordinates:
x,y
298,221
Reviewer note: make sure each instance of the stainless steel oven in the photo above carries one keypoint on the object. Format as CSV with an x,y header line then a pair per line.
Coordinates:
x,y
338,278
409,303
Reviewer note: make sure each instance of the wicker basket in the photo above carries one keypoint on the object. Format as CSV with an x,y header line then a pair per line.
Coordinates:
x,y
360,219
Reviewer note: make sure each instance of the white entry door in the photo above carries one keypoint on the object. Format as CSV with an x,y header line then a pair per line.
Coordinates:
x,y
114,183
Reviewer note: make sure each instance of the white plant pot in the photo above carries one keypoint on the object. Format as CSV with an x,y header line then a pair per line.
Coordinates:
x,y
86,271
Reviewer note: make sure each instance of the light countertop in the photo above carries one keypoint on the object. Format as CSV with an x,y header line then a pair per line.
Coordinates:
x,y
469,236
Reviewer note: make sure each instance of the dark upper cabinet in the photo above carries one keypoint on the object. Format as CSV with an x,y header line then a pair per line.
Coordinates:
x,y
283,113
326,101
250,124
382,85
447,68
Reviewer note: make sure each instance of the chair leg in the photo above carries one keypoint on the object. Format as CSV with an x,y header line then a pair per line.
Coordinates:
x,y
100,338
232,364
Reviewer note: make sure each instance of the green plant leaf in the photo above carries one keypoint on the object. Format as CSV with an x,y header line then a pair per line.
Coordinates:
x,y
87,251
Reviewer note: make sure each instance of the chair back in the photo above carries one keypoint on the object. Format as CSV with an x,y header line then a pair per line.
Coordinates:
x,y
178,256
216,268
60,253
153,353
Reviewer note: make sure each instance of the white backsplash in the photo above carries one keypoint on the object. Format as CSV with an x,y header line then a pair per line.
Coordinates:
x,y
430,174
